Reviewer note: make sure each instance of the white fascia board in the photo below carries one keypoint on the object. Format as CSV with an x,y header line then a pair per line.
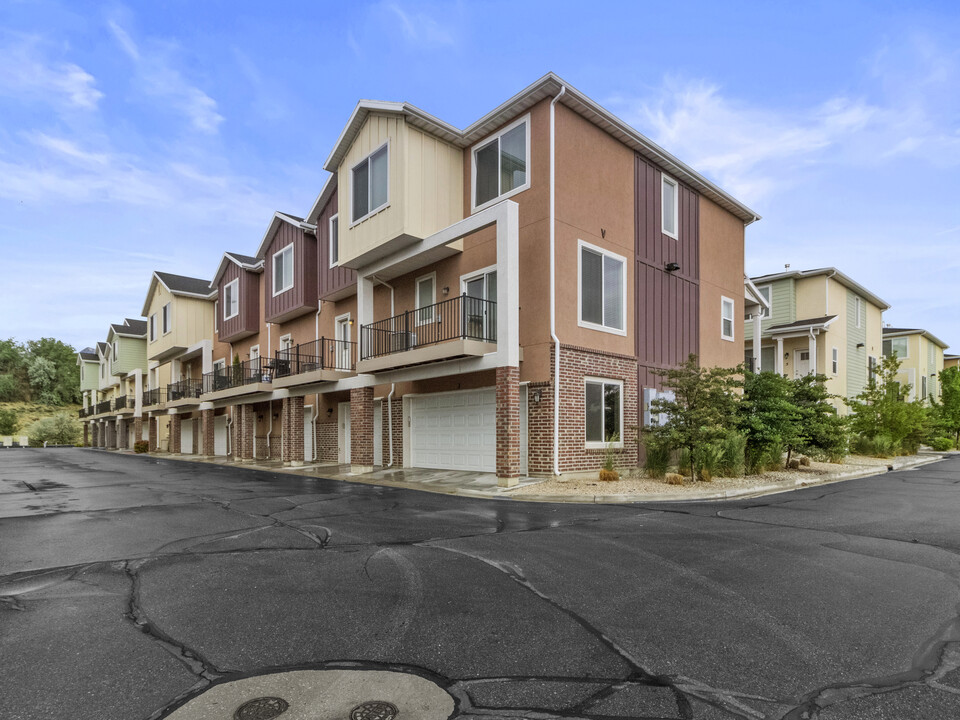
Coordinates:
x,y
752,292
328,187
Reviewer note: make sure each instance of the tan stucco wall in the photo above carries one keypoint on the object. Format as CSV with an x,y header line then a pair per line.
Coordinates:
x,y
721,275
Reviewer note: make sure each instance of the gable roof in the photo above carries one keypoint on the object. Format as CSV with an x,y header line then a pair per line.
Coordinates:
x,y
102,348
902,332
130,328
844,280
279,217
88,354
328,189
549,86
178,285
247,262
819,322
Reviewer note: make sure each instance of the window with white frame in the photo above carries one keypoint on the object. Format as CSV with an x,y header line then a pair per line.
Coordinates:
x,y
898,346
167,318
220,365
767,292
669,204
231,299
283,270
255,353
858,304
334,240
604,412
871,368
649,395
153,327
370,184
426,298
286,342
501,164
836,361
114,348
216,316
923,387
726,318
603,280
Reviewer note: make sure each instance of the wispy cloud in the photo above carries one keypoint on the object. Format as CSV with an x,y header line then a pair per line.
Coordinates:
x,y
158,78
28,74
419,27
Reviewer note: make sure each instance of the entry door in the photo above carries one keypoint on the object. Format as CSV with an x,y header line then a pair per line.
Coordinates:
x,y
186,437
481,317
343,347
802,365
343,422
220,435
378,432
308,433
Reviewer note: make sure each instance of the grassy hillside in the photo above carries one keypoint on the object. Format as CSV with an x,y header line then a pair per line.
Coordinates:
x,y
28,412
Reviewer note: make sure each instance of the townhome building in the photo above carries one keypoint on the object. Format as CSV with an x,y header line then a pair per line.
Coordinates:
x,y
181,346
495,299
951,361
119,372
921,360
818,321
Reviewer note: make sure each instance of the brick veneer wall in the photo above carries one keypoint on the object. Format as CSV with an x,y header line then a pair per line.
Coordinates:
x,y
327,439
508,423
540,429
137,429
206,424
86,434
292,424
94,435
122,434
397,432
175,435
361,427
152,433
247,422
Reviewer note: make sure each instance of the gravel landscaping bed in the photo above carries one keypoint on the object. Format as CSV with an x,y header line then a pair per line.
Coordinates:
x,y
637,485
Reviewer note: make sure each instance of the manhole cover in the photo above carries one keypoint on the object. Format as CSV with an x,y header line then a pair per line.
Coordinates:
x,y
374,710
262,708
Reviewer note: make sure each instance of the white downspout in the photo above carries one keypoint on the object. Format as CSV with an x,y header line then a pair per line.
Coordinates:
x,y
393,386
229,426
553,286
270,454
316,402
269,348
316,412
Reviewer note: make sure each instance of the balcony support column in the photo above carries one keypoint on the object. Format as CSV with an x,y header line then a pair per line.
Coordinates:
x,y
292,431
508,426
153,431
361,430
247,421
175,434
122,434
206,423
137,431
94,435
111,433
86,434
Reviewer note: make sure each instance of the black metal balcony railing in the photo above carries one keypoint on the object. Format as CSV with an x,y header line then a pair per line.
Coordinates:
x,y
460,317
103,407
249,371
157,396
87,411
183,389
120,403
322,354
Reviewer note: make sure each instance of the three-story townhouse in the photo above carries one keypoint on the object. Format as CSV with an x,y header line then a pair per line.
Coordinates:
x,y
921,361
121,361
819,321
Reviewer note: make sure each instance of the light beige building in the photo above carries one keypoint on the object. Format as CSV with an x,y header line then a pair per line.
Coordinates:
x,y
921,359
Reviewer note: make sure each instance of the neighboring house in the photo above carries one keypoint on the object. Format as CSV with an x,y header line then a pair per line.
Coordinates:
x,y
180,348
819,321
921,360
951,361
89,362
121,362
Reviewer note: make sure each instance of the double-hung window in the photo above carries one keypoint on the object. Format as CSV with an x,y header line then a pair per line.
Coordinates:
x,y
836,361
283,270
669,201
231,299
334,240
603,281
167,316
896,346
426,298
501,164
726,318
767,293
369,184
153,327
604,412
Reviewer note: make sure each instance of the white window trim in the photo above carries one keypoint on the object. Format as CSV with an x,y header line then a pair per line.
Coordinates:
x,y
835,361
285,338
152,322
273,270
593,444
220,364
336,216
474,275
766,312
581,244
733,318
169,317
664,178
344,320
416,299
372,211
906,340
252,348
236,292
473,166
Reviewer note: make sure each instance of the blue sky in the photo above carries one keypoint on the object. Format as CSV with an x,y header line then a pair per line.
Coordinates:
x,y
157,135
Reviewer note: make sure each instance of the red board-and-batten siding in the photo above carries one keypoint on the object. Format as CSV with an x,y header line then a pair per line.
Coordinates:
x,y
336,279
302,297
247,321
668,303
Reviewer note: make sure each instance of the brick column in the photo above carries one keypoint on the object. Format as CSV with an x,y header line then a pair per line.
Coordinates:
x,y
175,434
508,426
206,424
247,423
137,430
111,434
94,435
122,434
361,430
153,431
292,431
86,434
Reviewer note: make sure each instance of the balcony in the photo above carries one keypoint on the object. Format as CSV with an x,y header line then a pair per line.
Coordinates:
x,y
323,360
249,376
123,403
157,396
185,392
102,407
462,326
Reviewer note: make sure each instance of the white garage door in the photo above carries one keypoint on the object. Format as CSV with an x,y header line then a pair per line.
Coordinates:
x,y
454,431
186,436
220,435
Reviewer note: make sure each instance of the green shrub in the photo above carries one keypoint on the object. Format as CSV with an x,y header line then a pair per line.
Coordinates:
x,y
941,444
879,446
658,457
732,462
8,421
141,446
709,457
683,462
61,429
